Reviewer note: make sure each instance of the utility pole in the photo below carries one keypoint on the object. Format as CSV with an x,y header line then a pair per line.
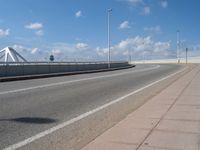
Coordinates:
x,y
109,13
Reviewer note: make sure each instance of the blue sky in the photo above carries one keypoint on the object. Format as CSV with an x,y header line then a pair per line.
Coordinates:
x,y
77,29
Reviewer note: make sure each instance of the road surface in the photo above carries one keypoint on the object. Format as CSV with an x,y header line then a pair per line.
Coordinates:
x,y
32,106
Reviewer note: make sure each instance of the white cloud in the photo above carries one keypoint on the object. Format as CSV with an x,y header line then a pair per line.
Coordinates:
x,y
37,27
138,46
4,33
124,25
147,10
34,50
101,51
23,49
136,2
34,26
82,46
31,54
20,48
71,52
138,43
39,32
160,47
164,3
57,52
156,29
63,47
78,14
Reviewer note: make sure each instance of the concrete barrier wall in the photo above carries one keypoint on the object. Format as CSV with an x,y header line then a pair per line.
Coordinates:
x,y
37,69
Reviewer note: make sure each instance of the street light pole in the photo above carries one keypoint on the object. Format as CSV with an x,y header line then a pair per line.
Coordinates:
x,y
178,47
129,55
186,55
109,12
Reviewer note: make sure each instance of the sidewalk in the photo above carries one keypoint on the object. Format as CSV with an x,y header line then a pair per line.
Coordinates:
x,y
168,121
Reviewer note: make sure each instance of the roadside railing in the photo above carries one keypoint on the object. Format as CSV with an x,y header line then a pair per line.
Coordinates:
x,y
8,69
55,63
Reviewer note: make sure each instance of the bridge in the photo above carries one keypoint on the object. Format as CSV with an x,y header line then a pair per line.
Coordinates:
x,y
121,107
69,111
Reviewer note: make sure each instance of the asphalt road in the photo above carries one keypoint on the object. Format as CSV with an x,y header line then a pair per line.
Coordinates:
x,y
32,106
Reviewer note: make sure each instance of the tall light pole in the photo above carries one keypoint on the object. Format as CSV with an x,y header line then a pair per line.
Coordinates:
x,y
178,46
109,13
186,55
129,55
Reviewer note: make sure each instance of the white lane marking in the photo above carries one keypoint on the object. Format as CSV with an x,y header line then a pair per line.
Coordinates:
x,y
78,80
64,124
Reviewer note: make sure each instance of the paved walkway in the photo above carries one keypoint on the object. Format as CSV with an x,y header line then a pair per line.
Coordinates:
x,y
168,121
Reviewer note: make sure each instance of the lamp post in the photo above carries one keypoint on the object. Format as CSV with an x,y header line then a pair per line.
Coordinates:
x,y
109,13
143,54
129,55
186,55
178,46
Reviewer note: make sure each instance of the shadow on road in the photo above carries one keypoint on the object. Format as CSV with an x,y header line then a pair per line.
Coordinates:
x,y
31,120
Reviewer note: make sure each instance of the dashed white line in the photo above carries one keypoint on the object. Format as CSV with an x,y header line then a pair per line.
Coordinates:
x,y
64,124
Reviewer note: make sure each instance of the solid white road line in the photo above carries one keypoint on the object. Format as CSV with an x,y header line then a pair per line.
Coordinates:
x,y
64,124
73,81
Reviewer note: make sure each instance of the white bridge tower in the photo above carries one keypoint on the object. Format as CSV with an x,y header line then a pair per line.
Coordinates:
x,y
9,52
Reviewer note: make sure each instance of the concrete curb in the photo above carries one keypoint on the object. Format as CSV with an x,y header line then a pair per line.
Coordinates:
x,y
16,78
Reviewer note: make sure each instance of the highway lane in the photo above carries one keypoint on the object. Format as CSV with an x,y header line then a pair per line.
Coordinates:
x,y
32,106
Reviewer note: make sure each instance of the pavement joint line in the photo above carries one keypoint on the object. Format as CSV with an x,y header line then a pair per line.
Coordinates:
x,y
190,105
158,147
73,81
162,118
183,120
64,124
175,131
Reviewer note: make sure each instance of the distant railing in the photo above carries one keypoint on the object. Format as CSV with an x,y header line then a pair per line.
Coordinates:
x,y
182,60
